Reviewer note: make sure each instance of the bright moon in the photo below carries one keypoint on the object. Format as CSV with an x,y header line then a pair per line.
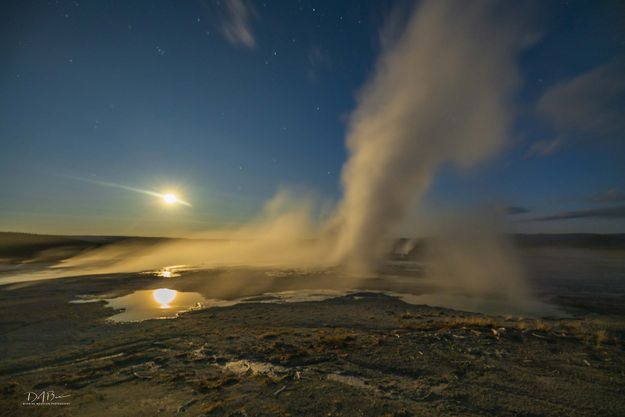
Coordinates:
x,y
170,198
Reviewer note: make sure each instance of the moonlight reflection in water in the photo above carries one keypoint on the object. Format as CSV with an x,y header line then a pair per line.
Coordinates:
x,y
164,296
161,303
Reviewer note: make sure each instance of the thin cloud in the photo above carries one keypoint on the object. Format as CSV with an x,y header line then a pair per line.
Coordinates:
x,y
543,148
613,195
514,210
598,213
591,104
237,23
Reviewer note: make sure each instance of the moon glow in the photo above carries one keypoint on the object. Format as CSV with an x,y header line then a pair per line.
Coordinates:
x,y
170,198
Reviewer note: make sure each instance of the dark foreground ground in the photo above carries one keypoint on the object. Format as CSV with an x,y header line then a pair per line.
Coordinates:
x,y
364,354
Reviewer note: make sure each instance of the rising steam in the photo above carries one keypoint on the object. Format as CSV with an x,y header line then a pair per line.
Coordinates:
x,y
440,95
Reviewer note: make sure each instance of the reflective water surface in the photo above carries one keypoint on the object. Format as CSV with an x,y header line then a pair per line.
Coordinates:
x,y
159,303
556,278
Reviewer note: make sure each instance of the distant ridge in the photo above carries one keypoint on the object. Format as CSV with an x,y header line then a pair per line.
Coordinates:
x,y
576,240
18,247
408,248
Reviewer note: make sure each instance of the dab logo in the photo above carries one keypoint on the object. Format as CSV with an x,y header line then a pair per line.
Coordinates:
x,y
45,398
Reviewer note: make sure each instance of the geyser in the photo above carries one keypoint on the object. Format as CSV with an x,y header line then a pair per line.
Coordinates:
x,y
441,94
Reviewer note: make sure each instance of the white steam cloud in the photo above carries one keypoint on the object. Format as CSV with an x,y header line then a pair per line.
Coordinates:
x,y
440,95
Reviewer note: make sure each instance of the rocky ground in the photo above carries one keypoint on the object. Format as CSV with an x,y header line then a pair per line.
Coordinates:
x,y
365,354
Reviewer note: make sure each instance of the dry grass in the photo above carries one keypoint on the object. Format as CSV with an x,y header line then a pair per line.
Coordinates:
x,y
542,325
420,325
592,331
450,323
602,336
526,325
474,321
336,339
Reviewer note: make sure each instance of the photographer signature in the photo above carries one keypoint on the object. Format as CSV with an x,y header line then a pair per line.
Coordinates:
x,y
45,398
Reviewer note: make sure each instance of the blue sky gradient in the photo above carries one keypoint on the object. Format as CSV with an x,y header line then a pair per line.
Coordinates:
x,y
156,96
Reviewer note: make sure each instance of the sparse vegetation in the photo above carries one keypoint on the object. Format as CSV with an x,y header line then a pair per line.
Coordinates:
x,y
601,336
527,325
406,315
336,340
451,322
473,321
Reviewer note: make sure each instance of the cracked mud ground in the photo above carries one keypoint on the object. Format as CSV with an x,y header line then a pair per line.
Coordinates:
x,y
364,354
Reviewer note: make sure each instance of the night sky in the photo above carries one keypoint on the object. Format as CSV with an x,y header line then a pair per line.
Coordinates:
x,y
226,102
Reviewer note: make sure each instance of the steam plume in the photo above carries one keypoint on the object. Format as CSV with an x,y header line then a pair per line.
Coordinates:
x,y
440,95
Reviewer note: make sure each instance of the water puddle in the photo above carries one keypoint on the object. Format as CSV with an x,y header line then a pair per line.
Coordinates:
x,y
160,303
164,303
